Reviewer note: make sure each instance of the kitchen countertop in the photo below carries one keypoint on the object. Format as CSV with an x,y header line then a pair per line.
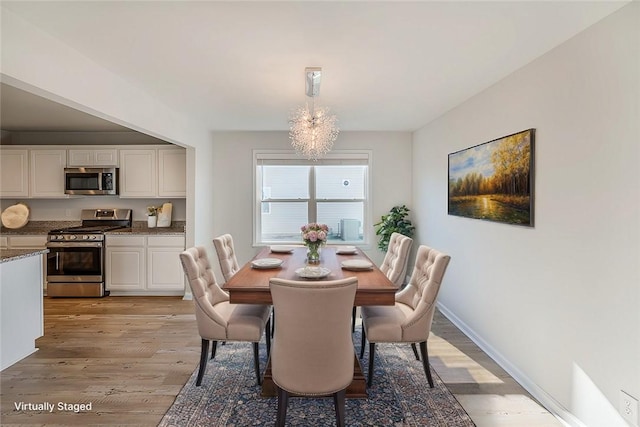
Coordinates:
x,y
7,255
139,227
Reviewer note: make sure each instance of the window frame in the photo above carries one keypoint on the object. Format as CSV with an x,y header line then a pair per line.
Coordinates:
x,y
336,157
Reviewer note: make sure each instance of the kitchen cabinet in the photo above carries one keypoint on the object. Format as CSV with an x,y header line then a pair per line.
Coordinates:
x,y
28,241
47,174
33,241
164,270
125,263
144,265
172,173
92,157
153,172
21,308
138,173
14,173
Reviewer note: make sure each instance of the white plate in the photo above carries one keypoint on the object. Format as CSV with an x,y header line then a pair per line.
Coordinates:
x,y
357,264
266,263
346,250
313,272
282,249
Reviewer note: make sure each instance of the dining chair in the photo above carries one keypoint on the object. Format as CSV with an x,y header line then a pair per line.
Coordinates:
x,y
394,264
217,319
312,351
226,256
409,320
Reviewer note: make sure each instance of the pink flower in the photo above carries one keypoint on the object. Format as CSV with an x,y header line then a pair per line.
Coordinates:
x,y
314,233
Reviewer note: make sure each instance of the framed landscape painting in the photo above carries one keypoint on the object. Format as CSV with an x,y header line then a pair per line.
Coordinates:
x,y
494,181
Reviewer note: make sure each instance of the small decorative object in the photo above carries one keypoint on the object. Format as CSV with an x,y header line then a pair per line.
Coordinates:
x,y
314,235
164,215
393,222
152,216
494,180
16,216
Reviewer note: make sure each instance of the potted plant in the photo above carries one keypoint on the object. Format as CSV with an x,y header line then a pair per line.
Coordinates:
x,y
152,216
394,222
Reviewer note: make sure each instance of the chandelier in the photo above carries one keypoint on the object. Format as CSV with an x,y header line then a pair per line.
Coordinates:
x,y
312,129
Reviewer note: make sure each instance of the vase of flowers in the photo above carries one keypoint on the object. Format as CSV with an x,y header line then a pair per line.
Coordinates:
x,y
152,216
314,236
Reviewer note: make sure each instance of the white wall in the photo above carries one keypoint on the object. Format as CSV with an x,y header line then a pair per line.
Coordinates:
x,y
557,304
35,61
232,170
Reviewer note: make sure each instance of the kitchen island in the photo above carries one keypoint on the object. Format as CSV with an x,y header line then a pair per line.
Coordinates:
x,y
21,305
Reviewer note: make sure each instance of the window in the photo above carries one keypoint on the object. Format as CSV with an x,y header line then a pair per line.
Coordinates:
x,y
291,192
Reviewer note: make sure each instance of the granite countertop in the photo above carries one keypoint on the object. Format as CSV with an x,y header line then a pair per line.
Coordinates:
x,y
139,227
7,255
173,230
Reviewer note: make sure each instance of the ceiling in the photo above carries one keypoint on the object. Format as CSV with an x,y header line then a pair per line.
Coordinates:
x,y
236,65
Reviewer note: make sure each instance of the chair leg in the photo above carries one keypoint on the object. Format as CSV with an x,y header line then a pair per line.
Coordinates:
x,y
283,402
203,360
415,350
338,401
273,321
256,362
362,342
213,349
268,336
425,362
353,319
372,353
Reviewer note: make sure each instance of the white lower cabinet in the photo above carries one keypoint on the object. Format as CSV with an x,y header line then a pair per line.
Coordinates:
x,y
144,265
164,270
28,241
125,263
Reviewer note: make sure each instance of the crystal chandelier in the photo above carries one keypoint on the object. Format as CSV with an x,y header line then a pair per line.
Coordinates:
x,y
312,129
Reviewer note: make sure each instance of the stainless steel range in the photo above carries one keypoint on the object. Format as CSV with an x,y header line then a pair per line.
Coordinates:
x,y
75,262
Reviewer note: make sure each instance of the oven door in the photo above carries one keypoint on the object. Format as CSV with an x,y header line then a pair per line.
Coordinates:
x,y
75,269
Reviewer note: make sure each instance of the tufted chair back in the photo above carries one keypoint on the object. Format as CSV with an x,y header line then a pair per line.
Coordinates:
x,y
421,292
395,261
226,256
312,349
206,293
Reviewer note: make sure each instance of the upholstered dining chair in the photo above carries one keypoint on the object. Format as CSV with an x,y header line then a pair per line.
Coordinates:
x,y
217,319
226,256
394,264
409,320
312,351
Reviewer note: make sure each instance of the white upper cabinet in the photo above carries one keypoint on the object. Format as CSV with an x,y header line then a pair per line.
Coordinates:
x,y
172,173
92,157
14,173
47,173
138,173
153,172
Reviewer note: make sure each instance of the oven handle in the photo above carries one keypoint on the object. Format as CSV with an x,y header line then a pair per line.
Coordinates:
x,y
74,244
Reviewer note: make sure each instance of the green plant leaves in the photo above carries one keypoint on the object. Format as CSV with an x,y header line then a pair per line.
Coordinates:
x,y
393,222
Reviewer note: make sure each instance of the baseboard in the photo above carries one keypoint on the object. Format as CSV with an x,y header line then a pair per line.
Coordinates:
x,y
546,400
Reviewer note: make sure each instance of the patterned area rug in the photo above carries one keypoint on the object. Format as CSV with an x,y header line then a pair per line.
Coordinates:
x,y
400,395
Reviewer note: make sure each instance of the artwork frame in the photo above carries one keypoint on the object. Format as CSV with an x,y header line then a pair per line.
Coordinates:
x,y
494,181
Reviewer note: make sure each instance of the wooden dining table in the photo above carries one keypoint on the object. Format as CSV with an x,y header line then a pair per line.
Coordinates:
x,y
251,286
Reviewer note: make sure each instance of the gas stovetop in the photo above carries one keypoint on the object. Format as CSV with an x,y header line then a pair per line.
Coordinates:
x,y
95,222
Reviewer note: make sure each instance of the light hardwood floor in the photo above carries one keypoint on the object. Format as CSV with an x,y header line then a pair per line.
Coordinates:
x,y
130,356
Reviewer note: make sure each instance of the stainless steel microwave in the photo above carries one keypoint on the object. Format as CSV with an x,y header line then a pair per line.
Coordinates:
x,y
91,181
